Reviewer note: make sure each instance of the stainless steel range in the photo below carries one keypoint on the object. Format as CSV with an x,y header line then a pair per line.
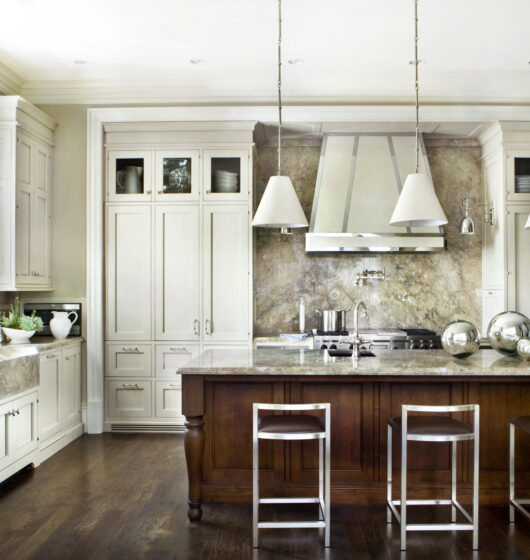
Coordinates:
x,y
387,339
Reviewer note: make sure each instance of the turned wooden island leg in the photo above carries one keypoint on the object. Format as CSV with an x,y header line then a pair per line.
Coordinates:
x,y
193,410
194,448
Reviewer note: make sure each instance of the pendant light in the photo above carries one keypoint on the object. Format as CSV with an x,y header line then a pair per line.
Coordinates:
x,y
417,205
279,206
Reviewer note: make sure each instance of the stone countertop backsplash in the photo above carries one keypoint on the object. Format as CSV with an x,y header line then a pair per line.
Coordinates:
x,y
19,363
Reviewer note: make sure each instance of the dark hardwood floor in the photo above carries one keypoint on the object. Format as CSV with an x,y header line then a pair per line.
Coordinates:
x,y
122,496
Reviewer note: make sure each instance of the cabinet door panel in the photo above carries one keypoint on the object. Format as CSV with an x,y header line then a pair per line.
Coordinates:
x,y
5,457
129,176
518,259
168,401
25,426
49,395
7,227
225,274
177,175
129,265
129,360
177,272
129,399
226,175
40,212
170,357
70,386
24,218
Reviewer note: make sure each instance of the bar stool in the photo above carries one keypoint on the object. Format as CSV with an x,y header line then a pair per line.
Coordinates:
x,y
292,427
433,428
523,422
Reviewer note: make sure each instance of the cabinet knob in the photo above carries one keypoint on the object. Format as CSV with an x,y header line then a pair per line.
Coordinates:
x,y
196,326
51,356
148,192
160,192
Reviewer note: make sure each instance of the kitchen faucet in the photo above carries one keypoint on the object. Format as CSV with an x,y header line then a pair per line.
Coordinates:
x,y
356,340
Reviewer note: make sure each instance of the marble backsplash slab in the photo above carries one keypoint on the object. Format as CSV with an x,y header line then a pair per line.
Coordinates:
x,y
425,290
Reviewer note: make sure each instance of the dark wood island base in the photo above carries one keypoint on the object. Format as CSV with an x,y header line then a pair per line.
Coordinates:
x,y
218,439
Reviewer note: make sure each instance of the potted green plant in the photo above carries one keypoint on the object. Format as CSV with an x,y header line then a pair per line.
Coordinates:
x,y
19,328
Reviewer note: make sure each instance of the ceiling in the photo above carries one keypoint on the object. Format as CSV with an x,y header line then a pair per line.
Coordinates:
x,y
473,51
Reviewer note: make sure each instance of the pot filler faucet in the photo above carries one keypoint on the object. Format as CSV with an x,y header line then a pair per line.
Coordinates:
x,y
356,340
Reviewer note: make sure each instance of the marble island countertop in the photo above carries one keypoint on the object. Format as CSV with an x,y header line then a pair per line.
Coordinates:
x,y
19,363
274,361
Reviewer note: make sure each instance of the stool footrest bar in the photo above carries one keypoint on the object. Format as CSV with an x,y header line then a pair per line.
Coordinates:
x,y
440,527
289,500
518,504
291,524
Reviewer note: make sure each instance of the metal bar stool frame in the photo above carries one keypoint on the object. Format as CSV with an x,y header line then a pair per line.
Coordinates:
x,y
401,516
515,503
324,478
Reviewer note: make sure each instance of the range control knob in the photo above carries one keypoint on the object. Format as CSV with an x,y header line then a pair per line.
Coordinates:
x,y
432,345
414,346
333,347
424,345
350,347
395,347
323,347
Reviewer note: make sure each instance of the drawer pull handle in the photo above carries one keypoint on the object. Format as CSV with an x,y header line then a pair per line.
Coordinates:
x,y
132,386
173,385
196,326
51,356
207,329
178,349
131,350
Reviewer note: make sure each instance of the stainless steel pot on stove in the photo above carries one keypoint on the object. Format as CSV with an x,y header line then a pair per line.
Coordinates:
x,y
332,319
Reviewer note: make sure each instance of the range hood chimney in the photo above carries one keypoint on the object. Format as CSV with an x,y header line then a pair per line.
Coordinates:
x,y
360,177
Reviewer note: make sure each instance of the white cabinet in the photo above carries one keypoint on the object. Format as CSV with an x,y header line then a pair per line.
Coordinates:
x,y
170,357
129,360
26,174
506,245
18,433
59,399
128,398
518,241
49,394
178,260
226,265
129,274
177,272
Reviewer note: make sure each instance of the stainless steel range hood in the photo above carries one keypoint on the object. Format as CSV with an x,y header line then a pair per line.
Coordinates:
x,y
359,179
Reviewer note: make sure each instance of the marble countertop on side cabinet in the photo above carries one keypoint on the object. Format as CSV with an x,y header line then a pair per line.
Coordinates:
x,y
274,361
19,363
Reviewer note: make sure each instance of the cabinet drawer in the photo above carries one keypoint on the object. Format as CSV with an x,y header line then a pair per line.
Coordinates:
x,y
129,399
168,401
129,360
170,357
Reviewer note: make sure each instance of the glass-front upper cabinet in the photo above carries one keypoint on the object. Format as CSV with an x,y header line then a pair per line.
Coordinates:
x,y
177,175
225,174
518,175
129,175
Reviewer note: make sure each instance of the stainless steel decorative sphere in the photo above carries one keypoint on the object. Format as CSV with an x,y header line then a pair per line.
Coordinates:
x,y
523,348
506,329
460,339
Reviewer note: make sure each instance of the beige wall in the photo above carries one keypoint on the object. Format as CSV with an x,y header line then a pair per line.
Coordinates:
x,y
69,201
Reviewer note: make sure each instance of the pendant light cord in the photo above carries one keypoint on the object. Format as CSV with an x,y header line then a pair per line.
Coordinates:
x,y
279,87
416,85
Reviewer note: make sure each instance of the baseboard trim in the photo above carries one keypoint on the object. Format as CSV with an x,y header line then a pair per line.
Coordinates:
x,y
54,444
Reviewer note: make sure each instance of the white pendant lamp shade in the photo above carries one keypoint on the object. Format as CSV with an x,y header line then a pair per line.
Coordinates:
x,y
417,205
279,206
527,225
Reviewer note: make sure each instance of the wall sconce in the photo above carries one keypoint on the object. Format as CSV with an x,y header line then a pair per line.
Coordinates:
x,y
467,227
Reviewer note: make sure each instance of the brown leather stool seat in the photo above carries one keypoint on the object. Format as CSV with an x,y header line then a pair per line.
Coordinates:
x,y
522,422
291,424
431,426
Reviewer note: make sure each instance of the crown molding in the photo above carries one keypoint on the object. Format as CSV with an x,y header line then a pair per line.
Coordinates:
x,y
10,81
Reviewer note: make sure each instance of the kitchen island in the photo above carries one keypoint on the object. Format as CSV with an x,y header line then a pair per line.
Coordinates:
x,y
219,387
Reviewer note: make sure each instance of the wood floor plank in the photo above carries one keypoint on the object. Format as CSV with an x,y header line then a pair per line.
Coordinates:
x,y
123,496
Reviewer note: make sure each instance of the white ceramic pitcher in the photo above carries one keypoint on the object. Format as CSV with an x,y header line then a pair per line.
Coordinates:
x,y
61,324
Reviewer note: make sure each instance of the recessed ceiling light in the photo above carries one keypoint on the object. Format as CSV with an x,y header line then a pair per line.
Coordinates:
x,y
80,61
196,60
295,60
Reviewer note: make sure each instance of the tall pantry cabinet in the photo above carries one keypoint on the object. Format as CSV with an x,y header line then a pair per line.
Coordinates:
x,y
178,260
